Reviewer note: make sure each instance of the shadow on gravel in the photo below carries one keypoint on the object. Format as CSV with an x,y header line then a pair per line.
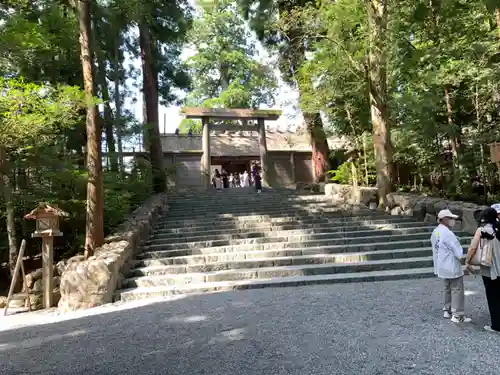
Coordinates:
x,y
308,330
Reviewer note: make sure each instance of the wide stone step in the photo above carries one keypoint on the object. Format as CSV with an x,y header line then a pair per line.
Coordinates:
x,y
279,218
252,210
260,199
229,202
320,229
278,272
256,214
211,242
251,195
283,243
283,225
249,256
359,246
165,266
230,207
224,286
192,202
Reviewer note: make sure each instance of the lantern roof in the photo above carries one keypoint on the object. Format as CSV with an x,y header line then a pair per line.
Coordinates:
x,y
44,210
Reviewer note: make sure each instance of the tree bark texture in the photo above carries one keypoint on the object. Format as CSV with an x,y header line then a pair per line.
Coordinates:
x,y
108,116
497,18
10,211
151,120
377,83
118,104
101,82
118,124
319,145
452,133
313,122
94,230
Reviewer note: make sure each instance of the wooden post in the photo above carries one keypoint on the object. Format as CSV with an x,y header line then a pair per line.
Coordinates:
x,y
205,159
264,160
19,266
47,270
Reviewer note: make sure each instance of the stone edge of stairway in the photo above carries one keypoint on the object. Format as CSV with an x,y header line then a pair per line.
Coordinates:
x,y
224,286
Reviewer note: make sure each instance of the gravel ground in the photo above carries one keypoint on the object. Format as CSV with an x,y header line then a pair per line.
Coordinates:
x,y
381,328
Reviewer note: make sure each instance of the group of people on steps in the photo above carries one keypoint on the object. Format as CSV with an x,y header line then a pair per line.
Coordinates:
x,y
223,180
483,255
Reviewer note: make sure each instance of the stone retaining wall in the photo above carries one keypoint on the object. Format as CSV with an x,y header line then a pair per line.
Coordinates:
x,y
426,208
93,282
419,206
352,195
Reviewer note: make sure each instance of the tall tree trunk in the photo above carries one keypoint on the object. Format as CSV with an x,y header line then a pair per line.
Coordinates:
x,y
365,160
317,136
117,99
452,132
319,145
377,82
94,230
6,190
313,122
479,123
151,121
108,117
118,120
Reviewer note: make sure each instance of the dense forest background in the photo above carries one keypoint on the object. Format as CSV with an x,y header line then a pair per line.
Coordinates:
x,y
413,85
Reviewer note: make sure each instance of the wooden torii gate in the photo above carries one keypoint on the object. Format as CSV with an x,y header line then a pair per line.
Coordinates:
x,y
232,114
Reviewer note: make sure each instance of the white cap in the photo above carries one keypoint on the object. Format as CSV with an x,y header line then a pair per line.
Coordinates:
x,y
446,214
496,207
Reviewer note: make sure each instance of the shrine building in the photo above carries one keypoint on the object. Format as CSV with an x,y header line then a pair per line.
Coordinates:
x,y
285,157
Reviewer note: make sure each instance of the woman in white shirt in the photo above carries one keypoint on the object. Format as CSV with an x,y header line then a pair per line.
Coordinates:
x,y
245,180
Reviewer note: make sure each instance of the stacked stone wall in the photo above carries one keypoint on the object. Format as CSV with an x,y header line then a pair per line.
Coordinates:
x,y
422,207
93,282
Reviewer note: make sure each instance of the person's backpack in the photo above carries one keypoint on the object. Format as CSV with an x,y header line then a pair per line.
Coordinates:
x,y
484,253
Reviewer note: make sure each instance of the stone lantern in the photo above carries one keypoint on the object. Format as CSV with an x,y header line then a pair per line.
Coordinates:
x,y
47,227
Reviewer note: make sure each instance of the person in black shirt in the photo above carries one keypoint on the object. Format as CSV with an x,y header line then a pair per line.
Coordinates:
x,y
257,178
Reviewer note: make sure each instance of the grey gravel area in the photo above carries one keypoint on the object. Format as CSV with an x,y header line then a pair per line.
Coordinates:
x,y
381,328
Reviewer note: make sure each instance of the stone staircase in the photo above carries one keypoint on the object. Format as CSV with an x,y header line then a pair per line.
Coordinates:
x,y
237,239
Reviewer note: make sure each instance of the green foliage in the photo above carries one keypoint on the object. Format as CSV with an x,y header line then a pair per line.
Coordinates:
x,y
42,112
168,22
187,124
123,196
31,114
226,70
442,65
363,161
342,174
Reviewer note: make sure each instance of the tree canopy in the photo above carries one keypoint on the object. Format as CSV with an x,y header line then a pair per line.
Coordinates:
x,y
226,68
